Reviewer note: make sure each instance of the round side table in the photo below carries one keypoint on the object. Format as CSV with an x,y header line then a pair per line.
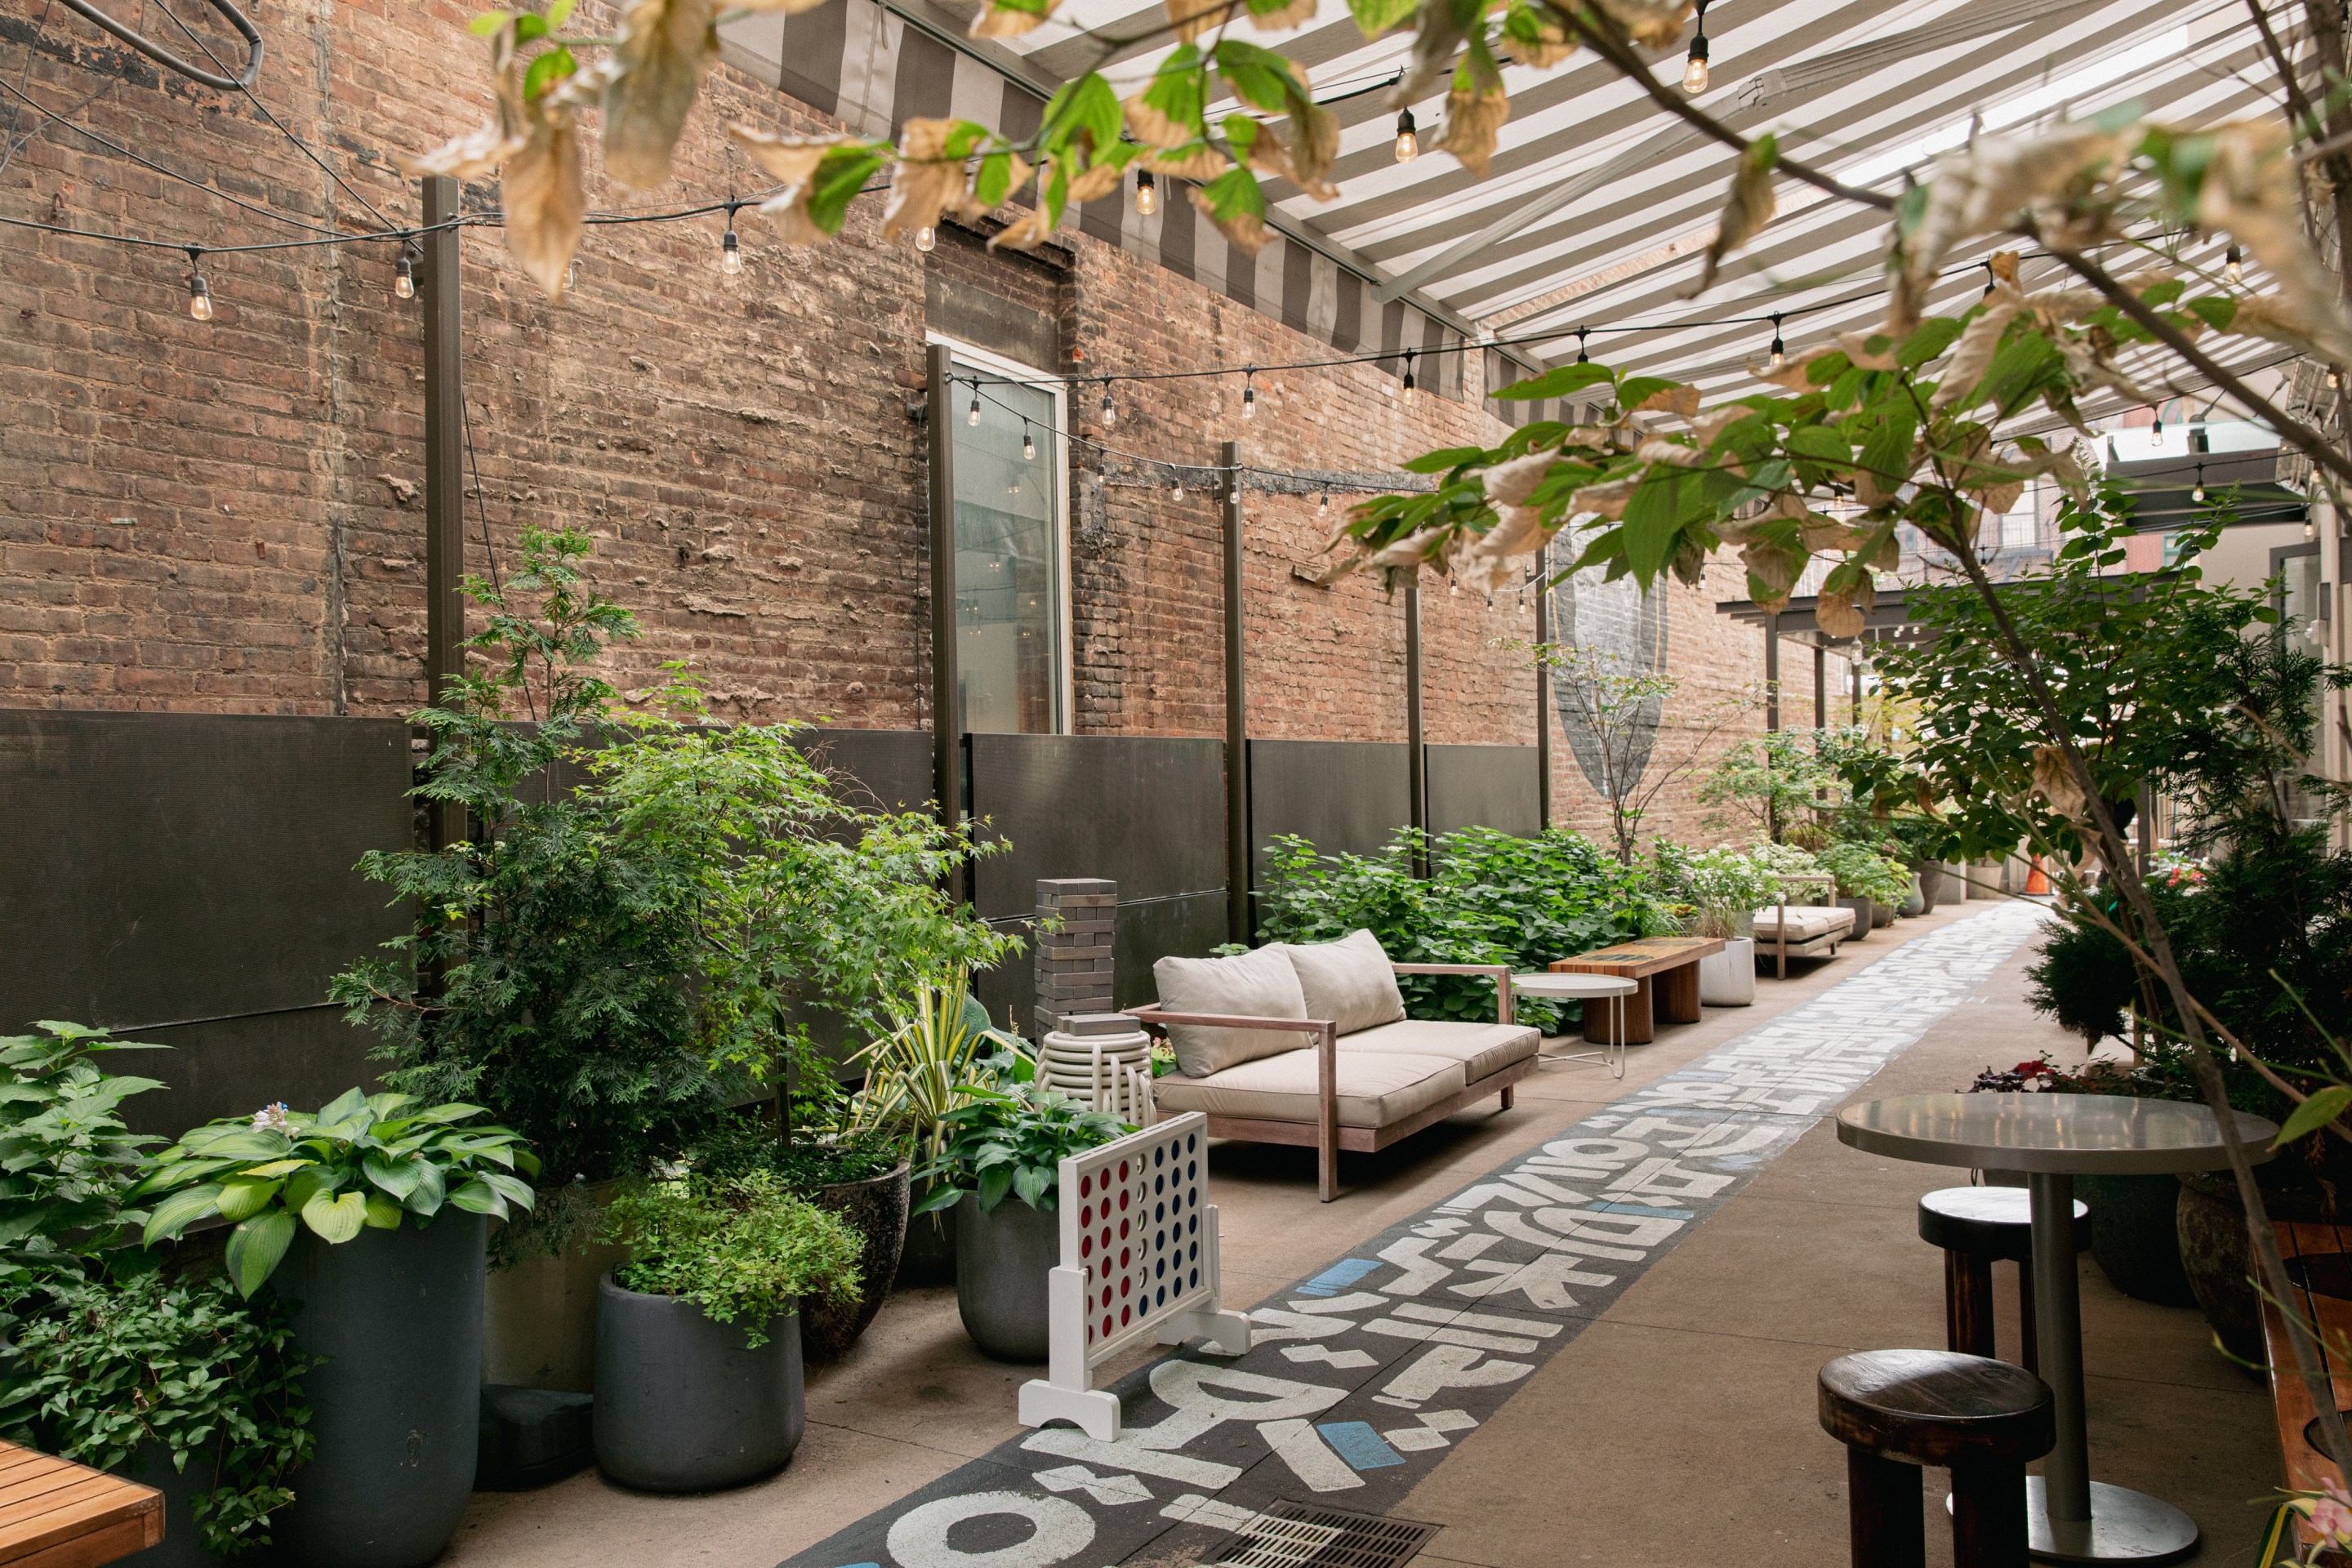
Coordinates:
x,y
1548,986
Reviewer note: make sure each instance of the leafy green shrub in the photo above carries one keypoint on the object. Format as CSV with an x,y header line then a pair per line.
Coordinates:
x,y
740,1248
1010,1142
1862,872
1724,887
1489,898
745,1140
365,1161
104,1367
66,1159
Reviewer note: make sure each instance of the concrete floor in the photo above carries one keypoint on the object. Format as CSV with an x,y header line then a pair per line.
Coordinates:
x,y
1679,1428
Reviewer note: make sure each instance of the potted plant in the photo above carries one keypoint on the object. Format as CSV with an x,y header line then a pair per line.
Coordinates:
x,y
698,1343
156,1369
1865,881
937,1057
1725,887
375,1209
1002,1145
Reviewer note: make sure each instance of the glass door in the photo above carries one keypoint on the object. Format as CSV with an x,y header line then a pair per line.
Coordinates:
x,y
1012,652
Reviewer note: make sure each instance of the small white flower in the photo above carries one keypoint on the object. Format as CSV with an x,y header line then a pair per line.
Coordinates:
x,y
272,1119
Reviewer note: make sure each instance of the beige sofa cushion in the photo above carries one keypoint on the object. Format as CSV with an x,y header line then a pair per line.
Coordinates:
x,y
1807,922
1481,1049
1377,1088
1259,985
1350,981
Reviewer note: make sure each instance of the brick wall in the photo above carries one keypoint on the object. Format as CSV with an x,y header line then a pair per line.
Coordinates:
x,y
229,516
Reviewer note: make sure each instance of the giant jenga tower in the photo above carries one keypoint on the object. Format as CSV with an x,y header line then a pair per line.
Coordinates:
x,y
1074,962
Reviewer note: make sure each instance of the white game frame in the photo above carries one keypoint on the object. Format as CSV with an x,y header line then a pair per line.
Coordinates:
x,y
1142,1201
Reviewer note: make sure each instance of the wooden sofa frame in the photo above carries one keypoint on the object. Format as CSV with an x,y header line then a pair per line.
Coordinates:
x,y
1325,1136
1810,947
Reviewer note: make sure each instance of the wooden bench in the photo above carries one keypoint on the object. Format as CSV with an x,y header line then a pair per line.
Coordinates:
x,y
55,1513
2319,1254
1665,972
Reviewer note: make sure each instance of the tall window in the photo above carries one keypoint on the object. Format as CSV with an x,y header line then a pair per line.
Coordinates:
x,y
1011,643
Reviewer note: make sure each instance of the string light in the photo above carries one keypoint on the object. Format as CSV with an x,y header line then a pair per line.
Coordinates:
x,y
404,273
927,240
1695,67
1028,443
731,249
1110,409
1408,142
1779,349
971,416
199,297
1325,504
2234,265
1249,394
1582,333
1147,193
1176,488
1408,378
2198,494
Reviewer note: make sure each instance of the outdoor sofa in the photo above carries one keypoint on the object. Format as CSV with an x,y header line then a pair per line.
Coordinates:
x,y
1366,1075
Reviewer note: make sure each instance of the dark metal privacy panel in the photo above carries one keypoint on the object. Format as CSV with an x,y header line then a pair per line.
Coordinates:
x,y
891,769
1187,926
1483,786
1349,797
169,866
1149,812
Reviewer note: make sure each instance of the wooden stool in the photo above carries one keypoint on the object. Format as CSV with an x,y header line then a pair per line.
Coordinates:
x,y
1897,1411
1975,1226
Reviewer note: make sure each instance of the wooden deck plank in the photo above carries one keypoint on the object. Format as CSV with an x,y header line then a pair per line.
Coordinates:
x,y
2306,1468
55,1513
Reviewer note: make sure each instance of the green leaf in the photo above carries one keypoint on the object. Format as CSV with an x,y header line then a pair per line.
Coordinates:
x,y
1257,76
431,1190
508,1188
995,180
241,1200
529,28
383,1214
1651,520
2315,1113
994,1183
256,1247
840,175
1029,1182
1180,91
1235,193
478,1197
2216,310
1558,382
1377,17
181,1210
488,23
397,1177
336,1216
1886,453
1440,461
559,13
308,1183
940,1196
1927,340
1635,390
351,1103
1821,443
553,66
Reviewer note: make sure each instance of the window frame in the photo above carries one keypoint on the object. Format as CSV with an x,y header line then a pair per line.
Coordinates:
x,y
1056,390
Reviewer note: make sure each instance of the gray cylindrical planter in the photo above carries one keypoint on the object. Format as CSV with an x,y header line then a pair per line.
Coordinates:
x,y
395,1407
876,1210
2136,1236
1955,887
1003,1258
182,1545
928,1256
682,1405
1862,910
1881,915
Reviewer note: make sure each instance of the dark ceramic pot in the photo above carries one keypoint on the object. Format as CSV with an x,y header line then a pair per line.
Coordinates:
x,y
928,1255
1002,1260
876,1210
1881,915
2216,1257
1931,884
1865,916
683,1403
2136,1236
395,1401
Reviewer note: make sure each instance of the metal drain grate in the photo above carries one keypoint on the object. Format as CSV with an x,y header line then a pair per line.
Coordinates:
x,y
1308,1535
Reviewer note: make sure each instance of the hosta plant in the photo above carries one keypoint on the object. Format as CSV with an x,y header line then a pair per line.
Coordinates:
x,y
1001,1144
364,1160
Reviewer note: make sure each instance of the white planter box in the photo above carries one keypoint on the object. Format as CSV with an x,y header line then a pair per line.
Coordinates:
x,y
1728,979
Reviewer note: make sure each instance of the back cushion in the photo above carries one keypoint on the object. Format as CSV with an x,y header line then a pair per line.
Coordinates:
x,y
1259,985
1348,981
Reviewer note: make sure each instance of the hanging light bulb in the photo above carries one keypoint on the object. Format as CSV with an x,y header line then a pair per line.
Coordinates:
x,y
2156,436
1695,67
1325,504
2198,494
971,415
1408,378
1249,394
1028,443
1581,333
199,297
927,240
2234,265
404,273
1779,349
1176,488
731,253
2335,379
1453,588
1147,193
1110,409
1408,142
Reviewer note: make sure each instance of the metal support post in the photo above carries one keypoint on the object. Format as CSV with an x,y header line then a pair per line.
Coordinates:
x,y
1772,671
445,471
1237,823
1543,691
1417,777
947,696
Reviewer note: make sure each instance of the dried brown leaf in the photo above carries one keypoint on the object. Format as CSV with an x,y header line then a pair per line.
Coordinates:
x,y
1097,181
1436,34
1606,499
1746,210
1772,570
792,161
1270,153
1511,483
1474,118
1681,399
1298,14
1858,350
925,182
546,199
1984,188
1972,354
1486,565
1429,545
1154,128
1200,165
2250,191
1837,615
2053,781
1715,421
1026,232
1193,17
1658,449
650,81
996,21
480,152
1552,45
1652,23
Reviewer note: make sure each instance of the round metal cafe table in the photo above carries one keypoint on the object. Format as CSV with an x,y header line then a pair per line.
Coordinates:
x,y
2053,1138
1565,987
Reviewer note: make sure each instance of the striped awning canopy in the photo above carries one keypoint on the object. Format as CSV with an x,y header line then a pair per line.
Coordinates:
x,y
1598,205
